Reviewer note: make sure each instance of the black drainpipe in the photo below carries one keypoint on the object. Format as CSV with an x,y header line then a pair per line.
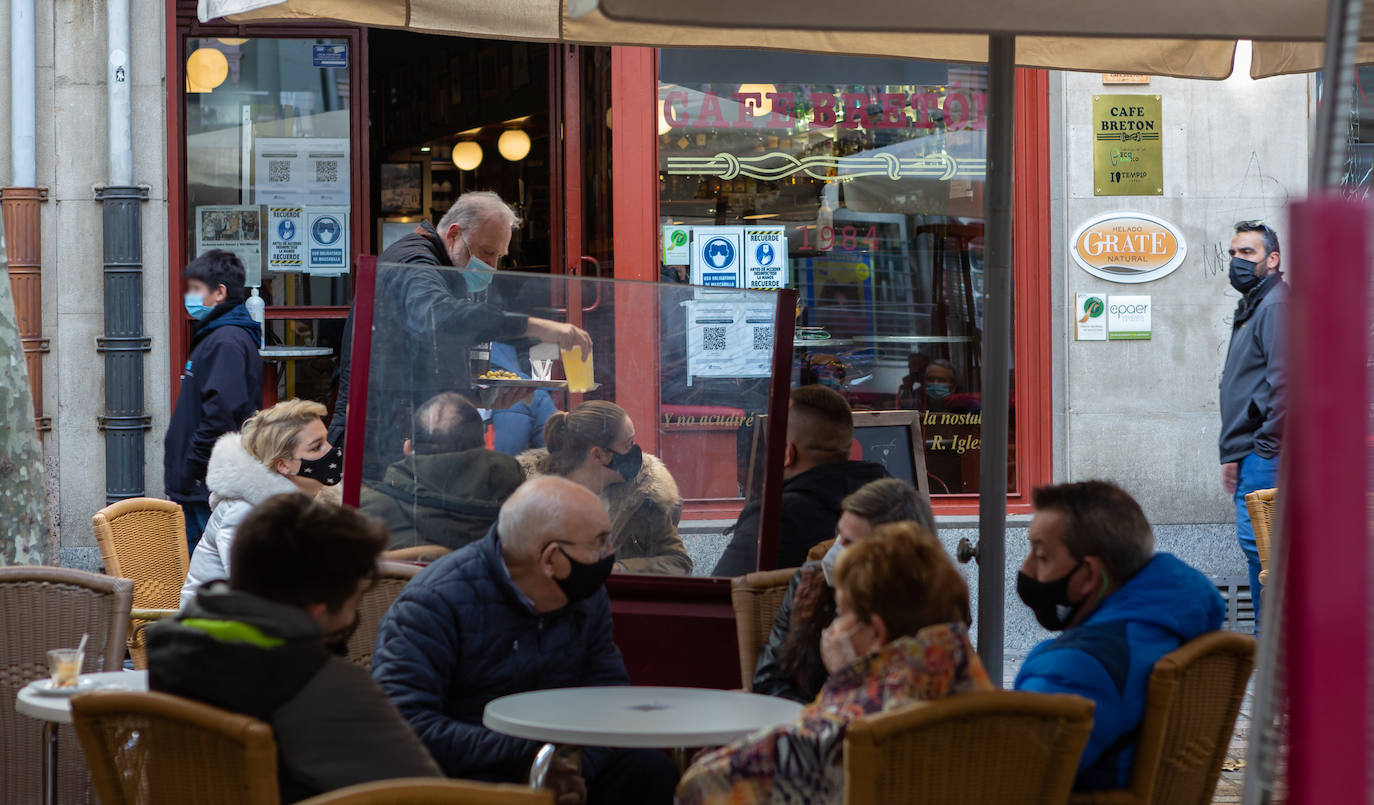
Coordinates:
x,y
124,342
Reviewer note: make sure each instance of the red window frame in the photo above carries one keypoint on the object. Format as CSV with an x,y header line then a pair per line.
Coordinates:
x,y
187,25
634,101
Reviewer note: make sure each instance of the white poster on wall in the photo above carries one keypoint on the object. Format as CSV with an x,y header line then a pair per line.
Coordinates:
x,y
326,240
765,257
237,228
296,171
1090,317
729,338
285,239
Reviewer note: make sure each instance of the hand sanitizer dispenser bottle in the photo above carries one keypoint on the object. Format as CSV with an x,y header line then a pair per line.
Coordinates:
x,y
257,311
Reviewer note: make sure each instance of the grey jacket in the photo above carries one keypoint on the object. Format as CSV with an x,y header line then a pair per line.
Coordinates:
x,y
1253,383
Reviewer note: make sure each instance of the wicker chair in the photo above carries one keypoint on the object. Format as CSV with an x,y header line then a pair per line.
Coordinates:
x,y
756,598
44,608
423,554
426,791
1261,504
1190,711
818,551
391,579
973,749
153,747
144,539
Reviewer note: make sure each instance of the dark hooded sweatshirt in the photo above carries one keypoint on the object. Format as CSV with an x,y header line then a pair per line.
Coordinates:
x,y
810,510
221,386
448,499
333,725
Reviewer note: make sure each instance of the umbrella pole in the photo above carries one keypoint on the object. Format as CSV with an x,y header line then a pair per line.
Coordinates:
x,y
996,352
1342,36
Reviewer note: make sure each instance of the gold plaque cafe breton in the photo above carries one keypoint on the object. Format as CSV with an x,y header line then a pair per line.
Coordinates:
x,y
1128,147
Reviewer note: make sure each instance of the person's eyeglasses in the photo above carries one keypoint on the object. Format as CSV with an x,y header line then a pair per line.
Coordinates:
x,y
601,544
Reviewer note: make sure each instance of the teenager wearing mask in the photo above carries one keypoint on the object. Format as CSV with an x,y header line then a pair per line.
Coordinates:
x,y
522,609
594,445
281,450
900,636
221,384
790,663
1092,573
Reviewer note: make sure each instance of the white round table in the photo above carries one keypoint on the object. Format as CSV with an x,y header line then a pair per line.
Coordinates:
x,y
636,717
55,710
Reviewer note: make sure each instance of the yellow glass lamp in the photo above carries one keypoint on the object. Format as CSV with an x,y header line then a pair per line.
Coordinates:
x,y
467,155
765,103
206,68
514,144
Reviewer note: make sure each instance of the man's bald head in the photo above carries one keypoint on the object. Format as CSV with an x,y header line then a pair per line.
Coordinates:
x,y
820,426
547,508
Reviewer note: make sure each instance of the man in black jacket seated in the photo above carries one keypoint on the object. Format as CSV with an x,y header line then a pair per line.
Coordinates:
x,y
265,645
426,320
817,474
523,609
790,664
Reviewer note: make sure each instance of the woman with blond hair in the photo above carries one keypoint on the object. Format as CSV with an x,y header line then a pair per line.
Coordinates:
x,y
900,636
280,450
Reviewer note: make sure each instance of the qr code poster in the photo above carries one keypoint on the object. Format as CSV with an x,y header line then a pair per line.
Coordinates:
x,y
327,243
729,339
236,228
295,171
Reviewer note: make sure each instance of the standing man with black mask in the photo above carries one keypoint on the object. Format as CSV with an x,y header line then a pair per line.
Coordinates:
x,y
524,608
1253,382
426,319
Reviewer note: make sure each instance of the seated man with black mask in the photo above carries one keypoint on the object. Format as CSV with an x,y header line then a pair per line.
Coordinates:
x,y
264,644
449,487
524,608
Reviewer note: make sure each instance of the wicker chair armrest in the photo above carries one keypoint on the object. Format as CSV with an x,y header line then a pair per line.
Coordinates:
x,y
152,614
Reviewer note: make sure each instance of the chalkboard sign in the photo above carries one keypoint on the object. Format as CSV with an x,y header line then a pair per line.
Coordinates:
x,y
893,439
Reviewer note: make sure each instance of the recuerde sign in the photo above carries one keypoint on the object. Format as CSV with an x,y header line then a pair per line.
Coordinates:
x,y
1128,247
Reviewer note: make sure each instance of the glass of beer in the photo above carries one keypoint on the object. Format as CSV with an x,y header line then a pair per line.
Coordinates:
x,y
64,665
577,365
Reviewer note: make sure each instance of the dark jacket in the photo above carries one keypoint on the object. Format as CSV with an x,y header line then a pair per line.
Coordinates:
x,y
770,677
1108,658
423,323
1253,383
448,499
462,634
810,509
221,386
333,726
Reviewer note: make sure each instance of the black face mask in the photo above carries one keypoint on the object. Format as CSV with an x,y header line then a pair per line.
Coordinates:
x,y
1243,277
327,469
584,579
337,641
1049,600
628,463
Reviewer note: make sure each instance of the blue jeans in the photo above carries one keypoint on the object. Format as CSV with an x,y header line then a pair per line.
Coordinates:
x,y
1255,472
197,516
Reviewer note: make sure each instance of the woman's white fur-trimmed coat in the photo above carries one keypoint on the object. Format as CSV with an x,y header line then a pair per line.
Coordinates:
x,y
237,482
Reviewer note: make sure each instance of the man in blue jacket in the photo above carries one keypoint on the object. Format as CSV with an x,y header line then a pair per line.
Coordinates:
x,y
221,385
1092,573
523,609
1253,382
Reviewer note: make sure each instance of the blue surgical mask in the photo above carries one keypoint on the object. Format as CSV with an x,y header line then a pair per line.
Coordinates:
x,y
478,275
938,391
196,307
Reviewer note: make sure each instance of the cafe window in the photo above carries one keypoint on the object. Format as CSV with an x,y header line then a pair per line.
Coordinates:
x,y
858,182
269,176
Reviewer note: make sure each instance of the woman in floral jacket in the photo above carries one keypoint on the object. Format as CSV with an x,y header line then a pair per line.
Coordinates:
x,y
900,636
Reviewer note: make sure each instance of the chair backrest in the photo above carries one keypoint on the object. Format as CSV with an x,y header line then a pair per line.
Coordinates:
x,y
45,608
819,550
391,579
972,749
1194,696
154,747
417,553
1261,505
756,598
427,791
144,539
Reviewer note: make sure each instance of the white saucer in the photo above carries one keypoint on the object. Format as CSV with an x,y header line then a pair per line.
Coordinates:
x,y
45,687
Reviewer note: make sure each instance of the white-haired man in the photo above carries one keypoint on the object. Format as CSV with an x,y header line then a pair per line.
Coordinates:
x,y
427,319
523,609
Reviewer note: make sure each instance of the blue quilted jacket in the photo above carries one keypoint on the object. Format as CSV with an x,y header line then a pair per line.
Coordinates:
x,y
1108,658
462,634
